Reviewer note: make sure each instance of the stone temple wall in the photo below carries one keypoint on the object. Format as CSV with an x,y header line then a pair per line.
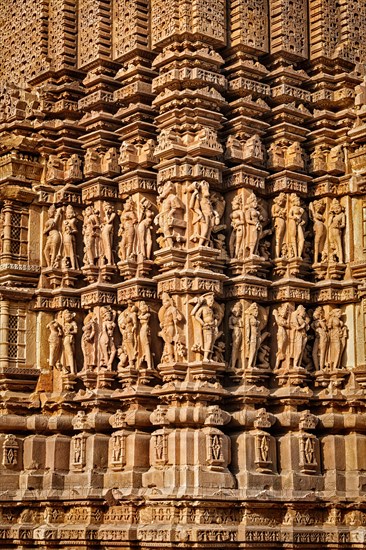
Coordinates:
x,y
182,274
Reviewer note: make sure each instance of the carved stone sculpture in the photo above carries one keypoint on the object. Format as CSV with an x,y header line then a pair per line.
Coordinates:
x,y
106,234
55,343
91,233
295,227
170,217
203,213
144,231
52,249
279,216
69,232
321,342
89,341
69,330
336,227
253,225
317,210
236,244
236,325
107,344
208,314
338,334
144,316
127,231
127,323
169,318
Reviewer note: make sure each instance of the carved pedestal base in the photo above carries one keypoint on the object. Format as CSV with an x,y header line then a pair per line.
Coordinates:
x,y
68,382
91,273
205,371
170,258
203,256
69,277
54,276
127,268
107,272
89,378
172,371
332,381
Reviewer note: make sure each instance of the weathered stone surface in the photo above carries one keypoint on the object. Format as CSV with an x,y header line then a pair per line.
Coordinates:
x,y
182,274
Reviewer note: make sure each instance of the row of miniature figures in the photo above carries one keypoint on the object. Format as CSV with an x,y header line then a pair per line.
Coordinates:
x,y
251,150
202,211
251,337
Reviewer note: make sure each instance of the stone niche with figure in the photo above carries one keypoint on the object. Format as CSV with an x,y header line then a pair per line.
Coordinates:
x,y
182,274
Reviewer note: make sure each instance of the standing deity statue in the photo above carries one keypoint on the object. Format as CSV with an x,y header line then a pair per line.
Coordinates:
x,y
236,326
204,216
69,232
237,216
279,215
89,341
169,317
52,249
208,315
170,217
145,335
321,343
107,345
69,330
106,234
91,232
281,316
127,323
317,210
336,227
299,326
55,343
253,225
144,230
73,168
127,230
295,227
338,334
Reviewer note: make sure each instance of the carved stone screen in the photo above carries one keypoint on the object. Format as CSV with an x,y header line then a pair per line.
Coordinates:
x,y
182,274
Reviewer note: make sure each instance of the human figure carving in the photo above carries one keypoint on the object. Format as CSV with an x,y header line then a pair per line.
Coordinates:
x,y
169,318
281,316
55,343
208,315
127,323
145,335
107,232
296,223
299,326
253,222
107,345
321,343
52,249
144,230
336,226
236,243
204,216
279,215
338,334
170,216
236,326
69,330
73,168
91,233
127,230
69,232
317,210
89,341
